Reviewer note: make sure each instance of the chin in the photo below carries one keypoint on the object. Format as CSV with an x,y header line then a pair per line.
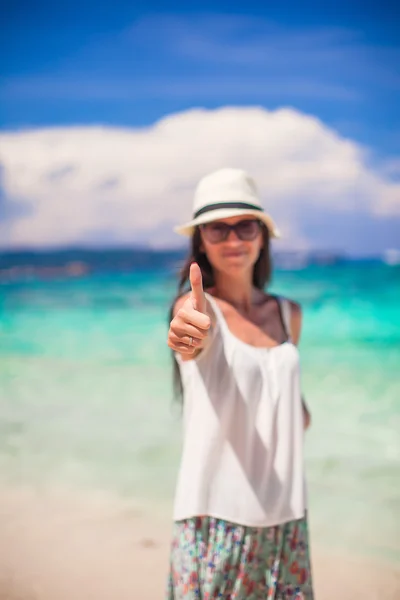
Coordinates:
x,y
236,263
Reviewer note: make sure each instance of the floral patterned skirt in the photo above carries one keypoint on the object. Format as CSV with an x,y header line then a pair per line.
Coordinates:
x,y
212,558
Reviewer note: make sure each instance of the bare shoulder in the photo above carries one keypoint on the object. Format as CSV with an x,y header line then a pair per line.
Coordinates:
x,y
295,308
296,319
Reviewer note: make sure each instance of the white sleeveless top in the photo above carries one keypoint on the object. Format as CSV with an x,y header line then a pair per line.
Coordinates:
x,y
242,458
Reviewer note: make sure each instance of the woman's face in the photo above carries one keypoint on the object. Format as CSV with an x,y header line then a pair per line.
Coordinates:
x,y
232,251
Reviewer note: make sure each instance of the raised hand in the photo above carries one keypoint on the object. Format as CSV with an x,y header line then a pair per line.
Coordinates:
x,y
190,326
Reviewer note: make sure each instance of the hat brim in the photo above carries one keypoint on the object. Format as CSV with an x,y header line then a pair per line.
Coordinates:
x,y
224,213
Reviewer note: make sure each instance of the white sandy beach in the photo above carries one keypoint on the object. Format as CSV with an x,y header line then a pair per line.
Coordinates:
x,y
64,546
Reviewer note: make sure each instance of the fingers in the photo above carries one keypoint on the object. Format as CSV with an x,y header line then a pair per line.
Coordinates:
x,y
191,323
184,344
196,283
190,317
183,349
183,329
188,330
183,333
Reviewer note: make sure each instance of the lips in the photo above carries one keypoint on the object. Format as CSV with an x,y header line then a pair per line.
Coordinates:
x,y
233,254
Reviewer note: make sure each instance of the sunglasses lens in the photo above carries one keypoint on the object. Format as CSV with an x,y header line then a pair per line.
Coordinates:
x,y
215,232
247,230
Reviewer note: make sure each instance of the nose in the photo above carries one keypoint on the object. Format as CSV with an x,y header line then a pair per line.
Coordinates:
x,y
232,236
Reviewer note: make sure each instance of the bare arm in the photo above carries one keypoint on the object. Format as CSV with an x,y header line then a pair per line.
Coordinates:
x,y
296,322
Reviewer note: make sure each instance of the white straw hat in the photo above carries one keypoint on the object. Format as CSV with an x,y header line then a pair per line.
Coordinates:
x,y
226,193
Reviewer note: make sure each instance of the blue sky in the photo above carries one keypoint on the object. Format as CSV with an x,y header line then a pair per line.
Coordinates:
x,y
129,64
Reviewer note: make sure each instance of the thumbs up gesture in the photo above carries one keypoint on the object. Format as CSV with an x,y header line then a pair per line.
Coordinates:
x,y
190,326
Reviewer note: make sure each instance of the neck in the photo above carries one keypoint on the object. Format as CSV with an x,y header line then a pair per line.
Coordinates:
x,y
238,291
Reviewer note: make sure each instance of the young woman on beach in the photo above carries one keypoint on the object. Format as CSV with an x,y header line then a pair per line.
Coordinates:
x,y
240,526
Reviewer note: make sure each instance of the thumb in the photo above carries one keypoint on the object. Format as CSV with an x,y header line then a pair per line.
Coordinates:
x,y
196,283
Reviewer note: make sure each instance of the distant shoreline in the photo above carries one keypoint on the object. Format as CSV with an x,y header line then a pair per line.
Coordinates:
x,y
66,263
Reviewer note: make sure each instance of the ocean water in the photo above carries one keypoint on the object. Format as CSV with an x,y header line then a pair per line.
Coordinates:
x,y
86,394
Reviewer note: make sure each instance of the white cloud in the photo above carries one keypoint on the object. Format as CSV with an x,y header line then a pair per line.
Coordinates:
x,y
85,184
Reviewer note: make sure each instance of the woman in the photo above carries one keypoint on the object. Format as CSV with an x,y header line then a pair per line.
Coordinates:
x,y
240,529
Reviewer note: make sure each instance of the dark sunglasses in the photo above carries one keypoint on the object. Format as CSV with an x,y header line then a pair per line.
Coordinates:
x,y
217,231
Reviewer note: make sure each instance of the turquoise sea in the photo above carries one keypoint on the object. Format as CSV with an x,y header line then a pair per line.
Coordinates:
x,y
86,395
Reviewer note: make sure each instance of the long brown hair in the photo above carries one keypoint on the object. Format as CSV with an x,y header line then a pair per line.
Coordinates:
x,y
261,277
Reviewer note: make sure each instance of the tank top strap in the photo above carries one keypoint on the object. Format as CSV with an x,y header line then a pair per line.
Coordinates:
x,y
285,309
